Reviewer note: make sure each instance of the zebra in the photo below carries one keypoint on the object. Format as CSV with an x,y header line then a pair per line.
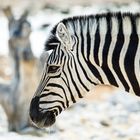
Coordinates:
x,y
87,51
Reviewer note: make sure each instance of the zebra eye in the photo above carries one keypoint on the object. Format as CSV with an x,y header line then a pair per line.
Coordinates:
x,y
53,69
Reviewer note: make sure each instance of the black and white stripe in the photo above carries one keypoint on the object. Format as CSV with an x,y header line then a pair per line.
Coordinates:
x,y
91,50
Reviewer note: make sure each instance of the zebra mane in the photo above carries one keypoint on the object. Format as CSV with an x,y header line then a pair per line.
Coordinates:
x,y
131,24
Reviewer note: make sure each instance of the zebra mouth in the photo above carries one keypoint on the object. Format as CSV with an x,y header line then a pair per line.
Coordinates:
x,y
50,119
46,119
41,118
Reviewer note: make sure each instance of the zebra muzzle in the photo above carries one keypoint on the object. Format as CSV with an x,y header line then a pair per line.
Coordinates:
x,y
40,118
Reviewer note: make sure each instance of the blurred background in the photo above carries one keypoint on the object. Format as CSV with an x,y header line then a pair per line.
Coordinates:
x,y
105,114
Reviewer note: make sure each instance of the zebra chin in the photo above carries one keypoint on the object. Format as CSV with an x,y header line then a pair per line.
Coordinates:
x,y
40,118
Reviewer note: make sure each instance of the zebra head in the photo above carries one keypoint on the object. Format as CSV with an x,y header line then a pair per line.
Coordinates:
x,y
55,91
63,81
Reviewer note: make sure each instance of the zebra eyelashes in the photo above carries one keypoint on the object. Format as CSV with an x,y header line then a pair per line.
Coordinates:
x,y
52,69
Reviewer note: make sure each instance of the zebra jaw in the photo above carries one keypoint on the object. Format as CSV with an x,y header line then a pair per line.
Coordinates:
x,y
40,118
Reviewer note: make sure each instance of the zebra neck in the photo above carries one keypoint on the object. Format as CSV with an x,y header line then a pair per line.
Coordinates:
x,y
114,60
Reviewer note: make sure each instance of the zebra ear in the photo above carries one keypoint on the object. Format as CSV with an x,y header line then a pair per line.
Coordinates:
x,y
63,35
